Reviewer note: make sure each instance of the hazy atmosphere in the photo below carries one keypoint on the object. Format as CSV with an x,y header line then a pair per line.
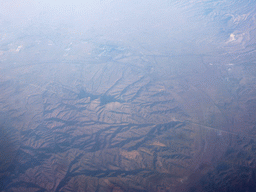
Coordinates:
x,y
111,95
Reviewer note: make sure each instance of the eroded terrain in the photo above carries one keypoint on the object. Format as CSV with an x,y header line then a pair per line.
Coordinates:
x,y
86,114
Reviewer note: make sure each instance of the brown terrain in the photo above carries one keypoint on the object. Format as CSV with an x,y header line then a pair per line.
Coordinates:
x,y
85,115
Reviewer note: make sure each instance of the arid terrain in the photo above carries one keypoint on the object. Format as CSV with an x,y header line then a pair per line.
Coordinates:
x,y
83,111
